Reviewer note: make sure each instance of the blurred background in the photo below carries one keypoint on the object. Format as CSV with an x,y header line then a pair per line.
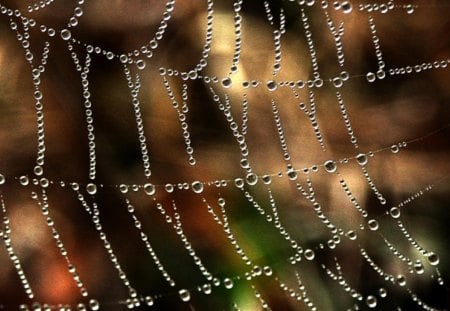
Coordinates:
x,y
399,108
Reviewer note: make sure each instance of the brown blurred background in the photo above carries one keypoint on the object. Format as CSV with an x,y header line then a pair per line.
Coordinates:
x,y
395,109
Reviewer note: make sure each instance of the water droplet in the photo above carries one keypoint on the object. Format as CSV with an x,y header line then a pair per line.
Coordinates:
x,y
433,259
362,159
338,82
266,179
24,180
149,189
346,7
184,294
401,280
267,270
206,289
38,170
148,300
373,224
226,82
395,212
272,85
2,179
91,188
352,235
169,188
330,166
309,254
66,34
94,305
123,188
140,64
197,187
251,179
418,267
371,301
382,292
239,183
228,283
395,149
370,76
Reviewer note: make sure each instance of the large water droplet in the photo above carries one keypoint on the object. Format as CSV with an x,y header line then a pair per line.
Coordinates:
x,y
362,159
252,179
373,224
370,76
94,305
228,283
346,7
197,187
91,188
395,212
66,34
309,254
140,64
371,301
226,82
184,294
149,189
433,259
330,166
272,85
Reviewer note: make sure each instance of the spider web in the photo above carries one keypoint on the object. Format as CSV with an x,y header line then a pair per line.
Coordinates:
x,y
215,155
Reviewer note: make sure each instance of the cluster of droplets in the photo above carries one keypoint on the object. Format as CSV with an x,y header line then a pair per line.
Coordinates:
x,y
144,238
437,64
380,74
135,85
42,201
36,70
383,8
5,235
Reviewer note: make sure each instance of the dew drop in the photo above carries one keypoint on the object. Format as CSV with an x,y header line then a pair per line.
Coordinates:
x,y
272,85
91,188
251,179
395,212
401,280
346,7
370,76
123,188
206,289
373,224
338,82
66,34
38,170
330,166
148,301
362,159
140,64
382,292
169,188
371,301
418,267
2,179
309,254
267,270
395,149
266,179
197,187
228,283
433,259
226,82
184,294
94,305
149,189
24,180
239,183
